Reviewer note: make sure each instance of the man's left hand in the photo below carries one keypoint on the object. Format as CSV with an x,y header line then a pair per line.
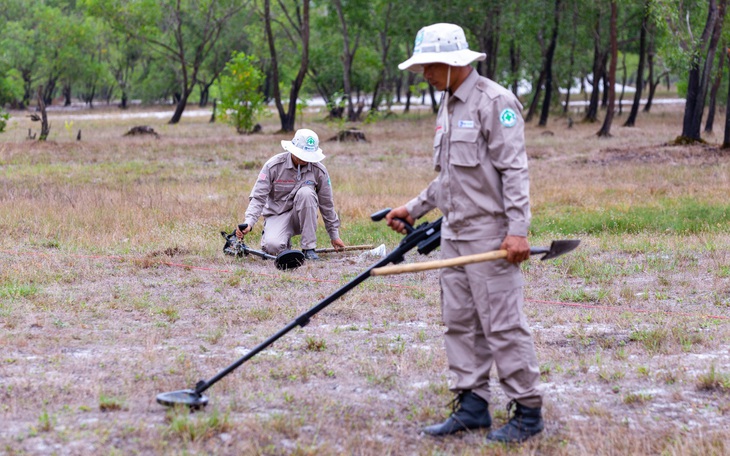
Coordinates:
x,y
517,247
338,244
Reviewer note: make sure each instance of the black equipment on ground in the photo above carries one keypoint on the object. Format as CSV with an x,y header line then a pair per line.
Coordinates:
x,y
288,259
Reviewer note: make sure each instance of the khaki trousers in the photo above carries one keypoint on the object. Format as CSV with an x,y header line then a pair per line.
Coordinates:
x,y
301,219
481,306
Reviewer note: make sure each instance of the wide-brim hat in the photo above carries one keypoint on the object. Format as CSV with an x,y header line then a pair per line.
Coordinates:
x,y
304,146
441,43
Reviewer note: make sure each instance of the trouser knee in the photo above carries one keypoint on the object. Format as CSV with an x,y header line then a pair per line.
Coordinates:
x,y
274,246
306,197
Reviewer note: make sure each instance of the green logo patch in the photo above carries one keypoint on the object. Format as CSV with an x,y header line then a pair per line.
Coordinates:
x,y
508,118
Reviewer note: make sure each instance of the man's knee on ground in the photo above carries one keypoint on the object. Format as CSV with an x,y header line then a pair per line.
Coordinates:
x,y
273,246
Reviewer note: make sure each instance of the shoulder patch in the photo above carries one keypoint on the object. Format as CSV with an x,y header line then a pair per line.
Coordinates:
x,y
508,118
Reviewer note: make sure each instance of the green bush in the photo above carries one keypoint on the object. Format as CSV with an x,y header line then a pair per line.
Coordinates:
x,y
4,116
241,98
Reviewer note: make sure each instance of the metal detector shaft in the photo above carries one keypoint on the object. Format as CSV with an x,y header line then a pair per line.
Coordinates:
x,y
302,320
415,237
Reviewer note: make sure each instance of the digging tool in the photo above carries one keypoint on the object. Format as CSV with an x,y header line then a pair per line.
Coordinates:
x,y
288,259
556,249
426,237
346,248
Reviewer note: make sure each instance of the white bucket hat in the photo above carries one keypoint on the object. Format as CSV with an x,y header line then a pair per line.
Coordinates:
x,y
304,146
441,43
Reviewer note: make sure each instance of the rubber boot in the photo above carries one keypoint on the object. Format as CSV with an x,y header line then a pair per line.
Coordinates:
x,y
469,412
525,423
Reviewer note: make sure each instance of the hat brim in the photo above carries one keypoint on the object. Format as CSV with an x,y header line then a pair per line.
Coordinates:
x,y
461,57
310,157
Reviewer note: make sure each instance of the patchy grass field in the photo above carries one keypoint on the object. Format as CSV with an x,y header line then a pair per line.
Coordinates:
x,y
113,288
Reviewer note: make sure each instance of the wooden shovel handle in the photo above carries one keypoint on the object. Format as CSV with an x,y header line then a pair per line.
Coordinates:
x,y
438,264
345,249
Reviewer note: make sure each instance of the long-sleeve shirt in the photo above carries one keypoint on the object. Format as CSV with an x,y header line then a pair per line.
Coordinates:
x,y
278,182
482,187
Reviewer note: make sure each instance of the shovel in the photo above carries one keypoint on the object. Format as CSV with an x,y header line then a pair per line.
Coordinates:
x,y
556,249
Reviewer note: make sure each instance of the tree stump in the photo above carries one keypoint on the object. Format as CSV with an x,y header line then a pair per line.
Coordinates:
x,y
142,130
351,135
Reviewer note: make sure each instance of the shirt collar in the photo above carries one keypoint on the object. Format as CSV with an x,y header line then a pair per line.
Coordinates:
x,y
462,93
290,163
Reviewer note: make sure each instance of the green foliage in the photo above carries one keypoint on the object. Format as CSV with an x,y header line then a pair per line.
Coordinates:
x,y
241,98
4,116
682,216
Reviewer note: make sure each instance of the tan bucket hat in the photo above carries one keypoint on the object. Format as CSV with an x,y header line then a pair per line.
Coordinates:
x,y
441,43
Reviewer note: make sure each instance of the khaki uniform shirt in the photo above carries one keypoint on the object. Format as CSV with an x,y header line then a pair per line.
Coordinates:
x,y
278,182
483,186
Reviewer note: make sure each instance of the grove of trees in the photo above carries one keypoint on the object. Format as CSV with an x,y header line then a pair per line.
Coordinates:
x,y
347,51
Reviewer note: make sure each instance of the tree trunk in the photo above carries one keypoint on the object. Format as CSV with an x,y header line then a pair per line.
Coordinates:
x,y
409,83
623,85
549,67
180,107
631,121
514,66
125,99
726,139
592,111
434,103
571,61
347,58
288,118
67,95
605,130
489,41
45,128
384,49
699,73
713,95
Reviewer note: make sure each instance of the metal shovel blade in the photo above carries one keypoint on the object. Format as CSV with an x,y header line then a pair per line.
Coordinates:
x,y
556,249
187,397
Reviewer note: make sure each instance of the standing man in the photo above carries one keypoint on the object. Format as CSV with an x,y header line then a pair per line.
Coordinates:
x,y
482,189
290,188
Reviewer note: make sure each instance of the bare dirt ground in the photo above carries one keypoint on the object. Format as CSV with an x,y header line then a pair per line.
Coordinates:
x,y
113,289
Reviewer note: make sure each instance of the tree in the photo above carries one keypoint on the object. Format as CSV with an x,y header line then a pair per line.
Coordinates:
x,y
631,121
606,128
299,22
696,57
600,57
241,97
549,56
182,31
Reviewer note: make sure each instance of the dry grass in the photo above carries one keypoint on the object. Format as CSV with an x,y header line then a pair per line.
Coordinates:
x,y
113,288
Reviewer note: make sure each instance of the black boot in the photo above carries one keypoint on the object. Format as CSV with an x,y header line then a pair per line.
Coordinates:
x,y
469,412
525,423
310,254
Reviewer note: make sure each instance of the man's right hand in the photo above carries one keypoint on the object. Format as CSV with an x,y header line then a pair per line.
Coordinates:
x,y
240,234
399,213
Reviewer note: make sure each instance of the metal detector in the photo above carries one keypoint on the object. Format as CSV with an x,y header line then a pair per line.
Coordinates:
x,y
288,259
425,237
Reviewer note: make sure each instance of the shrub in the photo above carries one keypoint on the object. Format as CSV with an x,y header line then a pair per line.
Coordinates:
x,y
241,97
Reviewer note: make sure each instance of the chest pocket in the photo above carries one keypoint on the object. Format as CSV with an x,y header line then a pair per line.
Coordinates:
x,y
282,189
463,149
